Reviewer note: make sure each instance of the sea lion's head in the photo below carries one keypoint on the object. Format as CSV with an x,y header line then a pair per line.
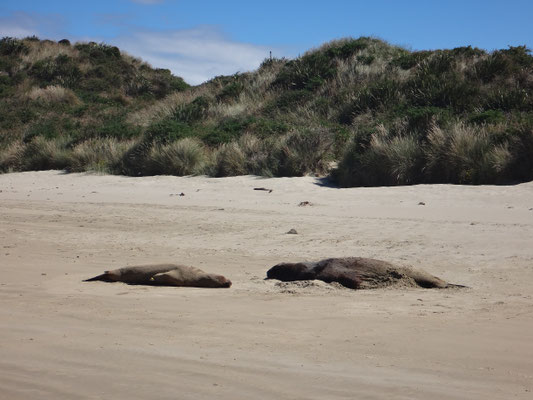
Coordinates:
x,y
291,272
214,281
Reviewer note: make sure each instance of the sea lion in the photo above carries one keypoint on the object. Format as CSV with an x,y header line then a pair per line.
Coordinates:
x,y
190,276
163,275
356,273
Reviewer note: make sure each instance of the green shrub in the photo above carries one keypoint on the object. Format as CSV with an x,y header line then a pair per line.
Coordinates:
x,y
419,119
168,130
97,52
467,52
519,99
341,138
266,127
502,64
438,85
48,129
375,97
271,63
366,60
487,117
10,46
162,83
150,84
228,130
113,126
346,48
138,85
104,72
61,70
308,72
231,91
287,101
6,86
409,60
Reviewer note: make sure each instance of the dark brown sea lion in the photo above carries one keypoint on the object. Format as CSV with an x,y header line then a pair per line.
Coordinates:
x,y
356,273
164,275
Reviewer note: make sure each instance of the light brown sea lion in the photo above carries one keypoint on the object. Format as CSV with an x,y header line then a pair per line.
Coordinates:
x,y
164,275
356,273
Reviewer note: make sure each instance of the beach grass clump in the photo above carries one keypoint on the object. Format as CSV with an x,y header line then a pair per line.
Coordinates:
x,y
304,151
381,156
183,157
102,155
12,156
44,154
229,160
464,153
258,154
53,94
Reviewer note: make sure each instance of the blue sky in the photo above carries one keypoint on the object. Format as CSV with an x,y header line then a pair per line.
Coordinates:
x,y
203,38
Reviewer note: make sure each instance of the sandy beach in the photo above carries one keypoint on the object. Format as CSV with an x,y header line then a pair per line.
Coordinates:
x,y
61,338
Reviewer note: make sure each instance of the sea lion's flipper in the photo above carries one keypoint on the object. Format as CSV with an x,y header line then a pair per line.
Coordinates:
x,y
454,286
105,277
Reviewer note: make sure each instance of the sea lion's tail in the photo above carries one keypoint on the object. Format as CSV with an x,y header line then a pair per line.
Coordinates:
x,y
105,277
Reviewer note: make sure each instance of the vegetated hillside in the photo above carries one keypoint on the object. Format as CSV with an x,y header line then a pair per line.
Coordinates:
x,y
387,115
57,96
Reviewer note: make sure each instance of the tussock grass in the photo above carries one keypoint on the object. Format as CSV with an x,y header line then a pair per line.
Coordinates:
x,y
388,115
258,154
400,157
102,155
303,152
165,107
54,94
183,157
11,157
387,158
229,160
248,155
465,154
38,50
43,154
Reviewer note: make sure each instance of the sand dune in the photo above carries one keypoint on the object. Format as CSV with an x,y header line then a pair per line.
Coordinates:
x,y
61,338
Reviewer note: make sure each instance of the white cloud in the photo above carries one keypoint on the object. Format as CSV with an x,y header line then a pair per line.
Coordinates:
x,y
18,25
22,24
196,54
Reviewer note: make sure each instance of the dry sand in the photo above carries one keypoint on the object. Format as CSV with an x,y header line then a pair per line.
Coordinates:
x,y
61,338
